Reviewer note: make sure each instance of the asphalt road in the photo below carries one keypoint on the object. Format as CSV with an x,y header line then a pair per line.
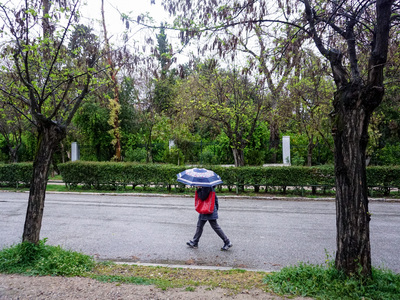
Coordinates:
x,y
266,234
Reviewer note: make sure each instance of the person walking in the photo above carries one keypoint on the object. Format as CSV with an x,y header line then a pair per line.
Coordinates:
x,y
203,193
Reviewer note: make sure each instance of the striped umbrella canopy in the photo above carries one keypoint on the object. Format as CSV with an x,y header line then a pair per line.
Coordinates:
x,y
199,177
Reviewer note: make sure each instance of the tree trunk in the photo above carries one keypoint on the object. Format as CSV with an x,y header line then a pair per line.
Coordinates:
x,y
62,152
13,154
149,147
48,138
114,104
354,102
310,148
238,155
274,140
350,131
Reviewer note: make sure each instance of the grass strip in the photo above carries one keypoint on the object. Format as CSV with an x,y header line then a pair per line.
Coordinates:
x,y
325,282
41,259
166,277
307,280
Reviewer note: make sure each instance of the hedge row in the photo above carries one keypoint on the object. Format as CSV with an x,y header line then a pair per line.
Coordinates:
x,y
108,174
100,174
95,174
13,175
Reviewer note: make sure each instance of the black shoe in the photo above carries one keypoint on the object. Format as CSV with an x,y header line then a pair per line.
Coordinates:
x,y
191,244
226,246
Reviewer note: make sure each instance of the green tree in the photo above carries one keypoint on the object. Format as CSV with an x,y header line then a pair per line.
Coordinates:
x,y
228,100
386,119
311,91
164,77
91,121
47,81
276,62
12,127
353,36
114,105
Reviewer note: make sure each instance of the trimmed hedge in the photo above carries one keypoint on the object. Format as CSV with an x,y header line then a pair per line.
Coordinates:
x,y
15,174
106,174
111,175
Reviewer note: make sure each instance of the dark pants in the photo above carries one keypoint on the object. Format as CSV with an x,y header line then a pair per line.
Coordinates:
x,y
214,225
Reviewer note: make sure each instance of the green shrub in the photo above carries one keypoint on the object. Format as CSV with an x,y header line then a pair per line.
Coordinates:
x,y
174,156
208,156
138,155
12,175
112,174
325,282
389,155
41,259
255,157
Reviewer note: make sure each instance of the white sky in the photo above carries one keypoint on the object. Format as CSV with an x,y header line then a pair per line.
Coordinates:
x,y
91,15
92,9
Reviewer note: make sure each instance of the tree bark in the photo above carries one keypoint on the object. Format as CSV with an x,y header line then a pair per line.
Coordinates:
x,y
353,105
49,136
354,102
350,131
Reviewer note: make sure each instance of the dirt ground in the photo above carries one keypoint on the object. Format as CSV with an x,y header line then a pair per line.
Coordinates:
x,y
23,287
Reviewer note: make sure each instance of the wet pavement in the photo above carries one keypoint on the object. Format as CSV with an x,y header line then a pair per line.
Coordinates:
x,y
153,229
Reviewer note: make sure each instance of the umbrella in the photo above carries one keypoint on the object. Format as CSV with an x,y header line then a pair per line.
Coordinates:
x,y
199,177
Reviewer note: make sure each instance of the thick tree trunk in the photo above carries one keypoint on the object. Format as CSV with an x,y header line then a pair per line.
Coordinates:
x,y
48,138
354,102
350,130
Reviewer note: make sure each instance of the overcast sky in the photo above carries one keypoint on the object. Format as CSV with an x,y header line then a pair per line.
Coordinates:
x,y
92,10
91,15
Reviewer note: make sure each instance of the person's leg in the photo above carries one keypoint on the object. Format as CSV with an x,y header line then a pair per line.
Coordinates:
x,y
218,230
199,231
221,234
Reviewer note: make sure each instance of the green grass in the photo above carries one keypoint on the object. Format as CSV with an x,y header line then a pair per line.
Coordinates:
x,y
325,282
123,279
316,281
41,259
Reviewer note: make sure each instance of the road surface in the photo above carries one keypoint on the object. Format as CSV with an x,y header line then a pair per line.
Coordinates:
x,y
266,234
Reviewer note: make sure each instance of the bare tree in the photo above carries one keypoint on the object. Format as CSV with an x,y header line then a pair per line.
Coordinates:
x,y
48,83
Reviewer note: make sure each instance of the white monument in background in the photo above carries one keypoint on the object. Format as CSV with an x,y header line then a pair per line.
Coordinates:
x,y
75,151
286,150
